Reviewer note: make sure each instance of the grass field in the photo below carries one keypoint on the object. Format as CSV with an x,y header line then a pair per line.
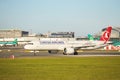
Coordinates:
x,y
60,68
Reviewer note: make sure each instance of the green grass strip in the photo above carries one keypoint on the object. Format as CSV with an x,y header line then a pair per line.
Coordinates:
x,y
60,68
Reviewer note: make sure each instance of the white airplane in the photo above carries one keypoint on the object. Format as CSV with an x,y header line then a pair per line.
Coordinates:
x,y
68,47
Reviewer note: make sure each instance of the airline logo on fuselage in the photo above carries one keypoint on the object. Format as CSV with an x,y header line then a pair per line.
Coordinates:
x,y
51,42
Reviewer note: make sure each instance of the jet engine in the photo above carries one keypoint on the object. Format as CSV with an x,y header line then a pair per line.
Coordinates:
x,y
68,51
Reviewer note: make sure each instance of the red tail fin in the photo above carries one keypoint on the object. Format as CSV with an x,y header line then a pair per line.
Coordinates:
x,y
106,35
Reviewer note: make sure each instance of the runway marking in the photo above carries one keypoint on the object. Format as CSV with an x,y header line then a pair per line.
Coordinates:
x,y
9,50
80,51
0,50
88,55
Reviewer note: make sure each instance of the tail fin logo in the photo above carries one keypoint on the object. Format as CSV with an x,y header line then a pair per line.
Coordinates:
x,y
106,36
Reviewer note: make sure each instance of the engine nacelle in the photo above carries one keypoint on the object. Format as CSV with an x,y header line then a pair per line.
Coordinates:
x,y
68,51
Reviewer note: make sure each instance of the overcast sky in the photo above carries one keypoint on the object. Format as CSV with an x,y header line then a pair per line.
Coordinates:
x,y
41,16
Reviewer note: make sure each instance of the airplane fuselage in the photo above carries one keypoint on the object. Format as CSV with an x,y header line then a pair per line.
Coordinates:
x,y
60,45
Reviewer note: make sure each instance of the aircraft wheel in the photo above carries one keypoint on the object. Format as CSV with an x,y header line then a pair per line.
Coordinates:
x,y
64,53
75,53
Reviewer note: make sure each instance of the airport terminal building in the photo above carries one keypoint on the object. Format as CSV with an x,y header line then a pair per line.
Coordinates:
x,y
13,33
60,35
23,36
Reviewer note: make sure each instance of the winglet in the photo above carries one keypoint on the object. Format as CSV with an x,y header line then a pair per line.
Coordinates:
x,y
90,37
15,41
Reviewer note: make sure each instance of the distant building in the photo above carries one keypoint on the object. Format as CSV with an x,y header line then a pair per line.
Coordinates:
x,y
60,35
12,33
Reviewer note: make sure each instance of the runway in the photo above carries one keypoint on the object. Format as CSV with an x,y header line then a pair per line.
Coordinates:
x,y
19,52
